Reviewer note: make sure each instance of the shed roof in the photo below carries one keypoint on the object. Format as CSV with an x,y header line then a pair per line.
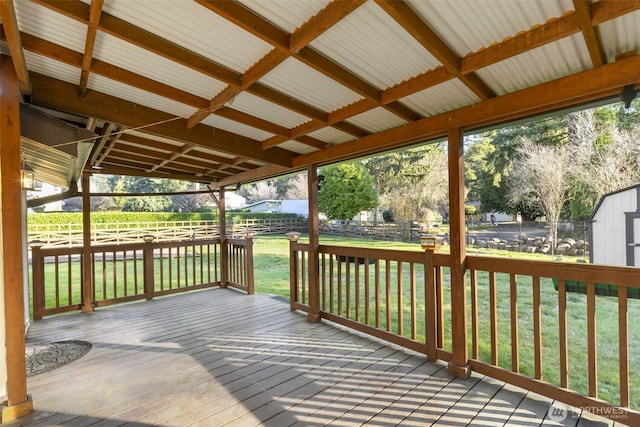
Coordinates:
x,y
232,91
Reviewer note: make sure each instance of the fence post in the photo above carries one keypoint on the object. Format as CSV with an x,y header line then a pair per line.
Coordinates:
x,y
37,281
147,260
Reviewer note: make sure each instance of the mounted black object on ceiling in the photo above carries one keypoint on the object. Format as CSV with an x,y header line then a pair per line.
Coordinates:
x,y
627,95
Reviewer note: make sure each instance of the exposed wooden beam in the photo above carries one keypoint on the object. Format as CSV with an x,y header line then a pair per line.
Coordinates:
x,y
184,150
97,148
128,171
589,86
12,34
60,96
283,48
583,15
94,19
407,18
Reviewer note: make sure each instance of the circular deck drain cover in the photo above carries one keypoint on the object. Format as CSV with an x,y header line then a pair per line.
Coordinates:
x,y
47,356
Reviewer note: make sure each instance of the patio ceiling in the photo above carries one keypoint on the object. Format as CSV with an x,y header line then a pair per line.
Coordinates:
x,y
225,92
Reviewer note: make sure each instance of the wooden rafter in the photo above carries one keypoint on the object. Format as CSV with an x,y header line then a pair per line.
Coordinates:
x,y
60,95
94,19
12,34
415,26
583,15
184,150
97,148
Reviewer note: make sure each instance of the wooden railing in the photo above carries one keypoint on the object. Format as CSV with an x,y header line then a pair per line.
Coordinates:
x,y
133,271
521,330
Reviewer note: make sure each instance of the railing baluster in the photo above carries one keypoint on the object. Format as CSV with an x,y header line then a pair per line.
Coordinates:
x,y
124,273
537,329
591,340
475,345
388,293
331,285
493,313
367,317
323,281
69,281
412,285
339,290
377,290
623,344
515,354
57,293
303,282
562,331
356,272
115,274
439,306
347,275
400,299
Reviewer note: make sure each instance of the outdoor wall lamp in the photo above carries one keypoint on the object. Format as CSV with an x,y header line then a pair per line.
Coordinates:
x,y
293,236
320,179
627,95
28,177
431,243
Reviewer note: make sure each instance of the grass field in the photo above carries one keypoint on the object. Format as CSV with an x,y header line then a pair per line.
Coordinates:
x,y
271,269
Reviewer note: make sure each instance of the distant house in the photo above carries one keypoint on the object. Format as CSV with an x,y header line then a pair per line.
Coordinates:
x,y
294,206
614,229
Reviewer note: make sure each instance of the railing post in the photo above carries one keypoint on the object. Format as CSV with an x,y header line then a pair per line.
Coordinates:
x,y
293,237
249,263
37,280
147,260
88,286
431,310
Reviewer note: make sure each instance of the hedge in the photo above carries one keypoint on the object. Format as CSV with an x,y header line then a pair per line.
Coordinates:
x,y
107,217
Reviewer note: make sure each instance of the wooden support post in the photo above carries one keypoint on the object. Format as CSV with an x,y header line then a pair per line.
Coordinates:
x,y
458,366
18,403
224,250
87,265
314,243
431,311
147,259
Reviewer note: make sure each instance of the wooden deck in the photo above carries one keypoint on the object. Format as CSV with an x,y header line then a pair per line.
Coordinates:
x,y
218,357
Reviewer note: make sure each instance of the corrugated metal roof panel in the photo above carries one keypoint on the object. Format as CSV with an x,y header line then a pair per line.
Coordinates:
x,y
309,86
258,107
139,96
375,47
51,26
469,25
377,120
194,27
235,127
441,98
286,14
616,37
140,61
297,147
52,68
554,60
331,135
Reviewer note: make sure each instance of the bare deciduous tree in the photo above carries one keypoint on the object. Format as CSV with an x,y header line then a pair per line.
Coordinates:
x,y
540,178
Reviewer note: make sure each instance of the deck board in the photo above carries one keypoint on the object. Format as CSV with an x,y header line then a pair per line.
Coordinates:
x,y
217,357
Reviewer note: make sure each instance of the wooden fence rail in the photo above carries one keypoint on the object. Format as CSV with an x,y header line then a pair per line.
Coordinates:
x,y
525,327
133,271
165,231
